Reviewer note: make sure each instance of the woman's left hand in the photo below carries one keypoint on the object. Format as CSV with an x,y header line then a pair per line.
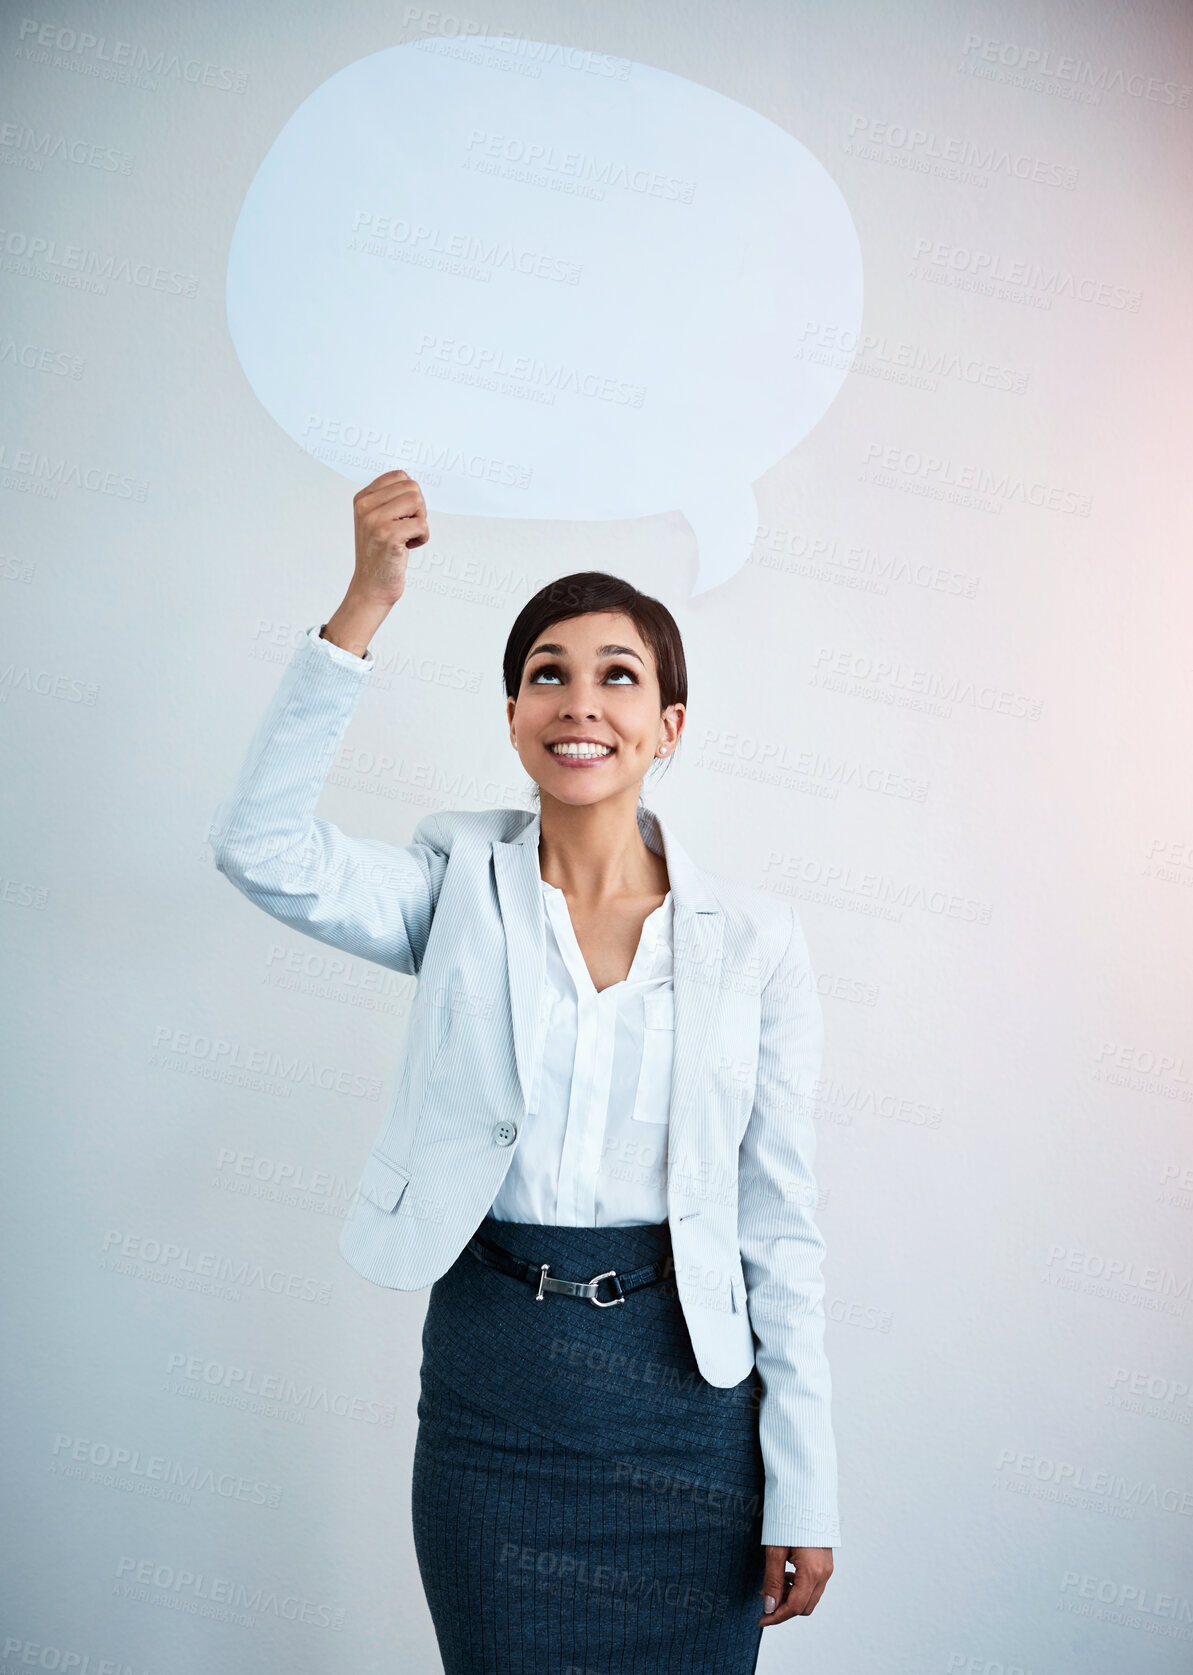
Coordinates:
x,y
793,1596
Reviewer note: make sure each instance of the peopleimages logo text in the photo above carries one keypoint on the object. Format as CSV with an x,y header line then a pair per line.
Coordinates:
x,y
1041,63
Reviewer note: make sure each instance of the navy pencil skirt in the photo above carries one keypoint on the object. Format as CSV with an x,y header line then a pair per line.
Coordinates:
x,y
585,1502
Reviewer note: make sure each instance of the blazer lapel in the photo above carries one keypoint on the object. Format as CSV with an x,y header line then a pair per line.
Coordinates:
x,y
519,892
699,929
699,933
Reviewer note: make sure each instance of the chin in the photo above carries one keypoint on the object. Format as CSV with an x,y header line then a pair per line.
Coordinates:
x,y
580,795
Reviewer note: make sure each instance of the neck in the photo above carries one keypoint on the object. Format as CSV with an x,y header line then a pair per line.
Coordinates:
x,y
596,853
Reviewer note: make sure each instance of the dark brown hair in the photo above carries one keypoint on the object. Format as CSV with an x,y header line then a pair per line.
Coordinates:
x,y
595,590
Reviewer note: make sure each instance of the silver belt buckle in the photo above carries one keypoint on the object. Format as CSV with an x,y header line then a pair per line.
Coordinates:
x,y
578,1288
593,1283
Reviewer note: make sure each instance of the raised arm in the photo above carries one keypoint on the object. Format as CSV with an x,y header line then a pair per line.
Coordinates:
x,y
368,897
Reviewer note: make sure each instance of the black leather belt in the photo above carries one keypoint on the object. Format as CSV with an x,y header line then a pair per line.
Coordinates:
x,y
538,1275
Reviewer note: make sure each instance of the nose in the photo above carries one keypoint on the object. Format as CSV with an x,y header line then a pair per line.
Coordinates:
x,y
582,701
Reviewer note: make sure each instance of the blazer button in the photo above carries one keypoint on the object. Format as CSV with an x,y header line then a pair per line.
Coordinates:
x,y
505,1133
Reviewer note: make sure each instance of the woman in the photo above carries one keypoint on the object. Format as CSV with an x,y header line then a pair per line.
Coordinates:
x,y
598,1154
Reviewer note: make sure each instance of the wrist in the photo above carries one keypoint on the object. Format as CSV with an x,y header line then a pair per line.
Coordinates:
x,y
354,624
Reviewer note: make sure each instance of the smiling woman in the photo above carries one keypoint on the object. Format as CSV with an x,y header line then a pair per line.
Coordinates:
x,y
595,627
598,1154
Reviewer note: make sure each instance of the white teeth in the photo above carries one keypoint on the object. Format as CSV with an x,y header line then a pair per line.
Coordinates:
x,y
581,750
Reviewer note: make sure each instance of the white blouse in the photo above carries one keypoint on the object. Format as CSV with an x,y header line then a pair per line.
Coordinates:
x,y
593,1149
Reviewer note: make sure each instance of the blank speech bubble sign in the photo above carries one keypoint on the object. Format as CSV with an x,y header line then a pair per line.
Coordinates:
x,y
546,283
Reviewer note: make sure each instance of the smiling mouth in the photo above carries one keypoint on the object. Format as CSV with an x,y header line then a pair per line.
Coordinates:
x,y
581,752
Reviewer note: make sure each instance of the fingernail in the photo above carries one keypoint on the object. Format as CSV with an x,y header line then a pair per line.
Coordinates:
x,y
769,1601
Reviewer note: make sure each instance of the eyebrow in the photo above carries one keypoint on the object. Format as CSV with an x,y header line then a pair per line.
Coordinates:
x,y
601,651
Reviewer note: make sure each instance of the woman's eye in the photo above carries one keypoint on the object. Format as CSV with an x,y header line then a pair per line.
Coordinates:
x,y
551,670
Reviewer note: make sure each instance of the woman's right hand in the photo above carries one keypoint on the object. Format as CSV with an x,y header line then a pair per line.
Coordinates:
x,y
391,517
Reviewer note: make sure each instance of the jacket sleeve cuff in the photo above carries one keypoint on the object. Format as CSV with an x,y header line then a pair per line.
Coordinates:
x,y
337,654
787,1522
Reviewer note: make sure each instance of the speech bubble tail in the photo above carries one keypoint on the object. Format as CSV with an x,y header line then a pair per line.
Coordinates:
x,y
725,529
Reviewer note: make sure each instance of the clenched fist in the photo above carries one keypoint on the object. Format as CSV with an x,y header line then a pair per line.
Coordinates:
x,y
391,517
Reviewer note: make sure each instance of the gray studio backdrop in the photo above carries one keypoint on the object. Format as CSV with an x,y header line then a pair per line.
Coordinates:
x,y
938,642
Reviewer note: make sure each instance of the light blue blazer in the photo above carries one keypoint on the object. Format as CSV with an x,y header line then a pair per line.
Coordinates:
x,y
460,908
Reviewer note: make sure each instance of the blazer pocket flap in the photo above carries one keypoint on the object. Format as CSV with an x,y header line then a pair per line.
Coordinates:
x,y
382,1183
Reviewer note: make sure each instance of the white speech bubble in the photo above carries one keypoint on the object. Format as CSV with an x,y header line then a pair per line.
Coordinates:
x,y
545,289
